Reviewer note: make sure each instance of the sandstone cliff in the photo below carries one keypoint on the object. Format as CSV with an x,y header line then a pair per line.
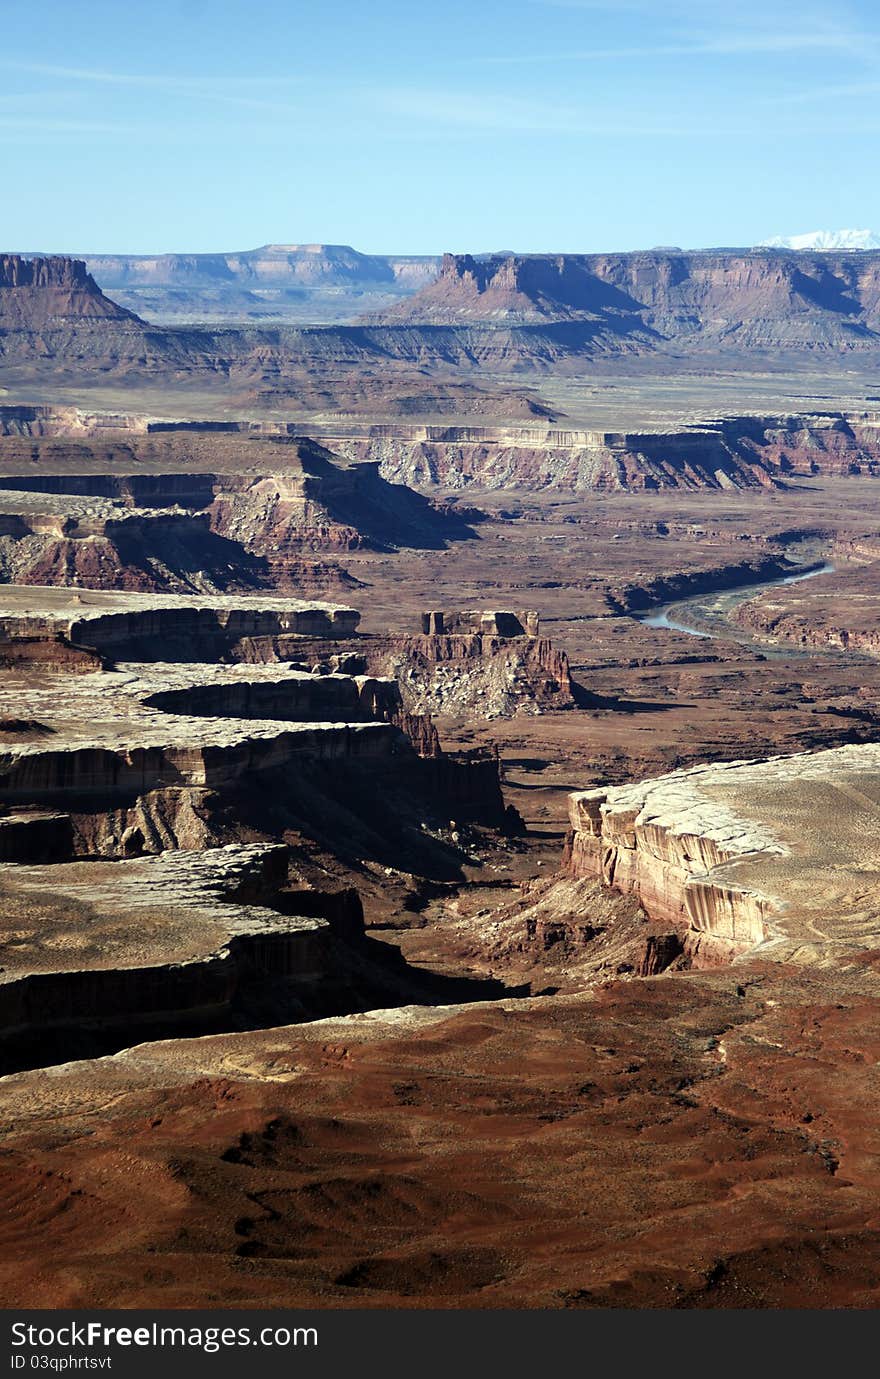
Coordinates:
x,y
503,314
667,842
728,454
758,299
36,292
138,507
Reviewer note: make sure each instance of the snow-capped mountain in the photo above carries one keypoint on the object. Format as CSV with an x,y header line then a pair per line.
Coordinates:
x,y
825,239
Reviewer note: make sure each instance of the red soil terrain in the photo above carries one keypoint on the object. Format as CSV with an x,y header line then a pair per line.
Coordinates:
x,y
643,1138
693,1141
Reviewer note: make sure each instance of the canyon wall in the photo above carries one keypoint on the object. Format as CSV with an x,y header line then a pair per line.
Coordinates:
x,y
506,313
840,611
730,454
667,843
173,627
759,299
190,507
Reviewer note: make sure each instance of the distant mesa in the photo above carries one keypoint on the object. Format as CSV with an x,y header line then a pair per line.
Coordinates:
x,y
512,288
271,265
732,300
292,283
506,313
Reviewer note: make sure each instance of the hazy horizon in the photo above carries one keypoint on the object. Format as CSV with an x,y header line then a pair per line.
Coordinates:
x,y
76,251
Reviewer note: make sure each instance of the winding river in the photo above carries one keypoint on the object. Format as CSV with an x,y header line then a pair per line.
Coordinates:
x,y
709,614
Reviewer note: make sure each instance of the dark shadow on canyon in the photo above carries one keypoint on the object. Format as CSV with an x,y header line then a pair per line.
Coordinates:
x,y
360,974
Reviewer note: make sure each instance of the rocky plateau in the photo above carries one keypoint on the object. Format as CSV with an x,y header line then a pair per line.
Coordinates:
x,y
412,897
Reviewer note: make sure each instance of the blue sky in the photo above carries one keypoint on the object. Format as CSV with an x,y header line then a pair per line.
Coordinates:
x,y
404,127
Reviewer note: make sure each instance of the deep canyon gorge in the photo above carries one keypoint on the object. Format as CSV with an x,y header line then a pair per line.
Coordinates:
x,y
439,777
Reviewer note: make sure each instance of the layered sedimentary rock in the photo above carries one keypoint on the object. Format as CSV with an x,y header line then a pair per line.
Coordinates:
x,y
267,691
279,497
120,734
55,320
49,650
277,281
492,662
52,311
56,538
730,454
838,612
219,756
167,627
743,856
51,291
153,506
148,756
306,494
328,505
98,953
269,265
758,300
503,314
663,840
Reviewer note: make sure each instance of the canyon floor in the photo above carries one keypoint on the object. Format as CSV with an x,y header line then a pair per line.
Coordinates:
x,y
361,949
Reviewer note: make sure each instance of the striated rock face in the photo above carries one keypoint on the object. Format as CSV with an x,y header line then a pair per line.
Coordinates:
x,y
167,627
148,757
666,841
225,757
326,506
744,855
761,299
284,696
181,508
730,454
492,662
95,544
521,289
504,314
38,292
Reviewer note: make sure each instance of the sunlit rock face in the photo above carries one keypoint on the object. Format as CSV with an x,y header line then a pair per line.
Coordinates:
x,y
741,855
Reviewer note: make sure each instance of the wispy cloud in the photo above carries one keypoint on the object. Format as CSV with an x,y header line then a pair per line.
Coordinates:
x,y
817,95
706,28
20,125
727,45
227,90
466,110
